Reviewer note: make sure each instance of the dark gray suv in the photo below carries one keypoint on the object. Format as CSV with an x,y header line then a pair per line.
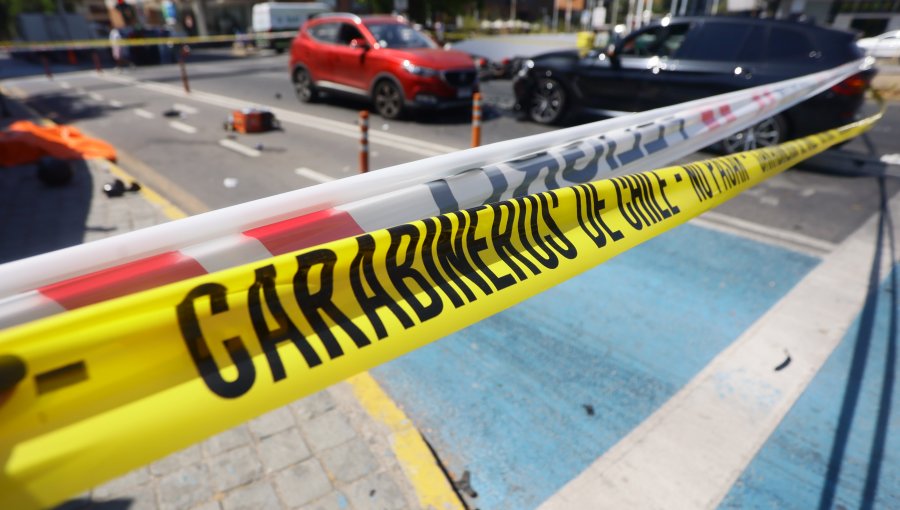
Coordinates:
x,y
683,59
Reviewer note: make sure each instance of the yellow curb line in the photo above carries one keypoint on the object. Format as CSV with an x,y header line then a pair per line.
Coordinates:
x,y
416,459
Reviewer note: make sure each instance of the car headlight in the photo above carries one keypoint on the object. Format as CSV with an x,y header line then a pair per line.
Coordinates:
x,y
425,72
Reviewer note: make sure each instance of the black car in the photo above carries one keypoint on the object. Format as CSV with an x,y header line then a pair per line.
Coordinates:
x,y
683,59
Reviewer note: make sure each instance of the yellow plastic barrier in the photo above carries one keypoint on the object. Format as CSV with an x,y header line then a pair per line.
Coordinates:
x,y
96,392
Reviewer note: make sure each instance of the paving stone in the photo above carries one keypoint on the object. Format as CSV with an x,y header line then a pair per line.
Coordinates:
x,y
187,487
349,461
228,440
313,405
123,485
327,430
139,498
259,496
303,483
209,505
177,460
271,423
377,491
283,449
334,500
235,468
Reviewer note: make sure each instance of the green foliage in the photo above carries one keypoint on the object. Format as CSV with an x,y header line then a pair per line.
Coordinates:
x,y
9,9
379,6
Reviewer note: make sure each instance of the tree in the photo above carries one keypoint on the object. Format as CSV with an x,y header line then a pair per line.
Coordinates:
x,y
10,9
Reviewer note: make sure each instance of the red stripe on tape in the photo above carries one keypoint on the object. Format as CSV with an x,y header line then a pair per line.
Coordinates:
x,y
725,110
122,280
306,231
709,118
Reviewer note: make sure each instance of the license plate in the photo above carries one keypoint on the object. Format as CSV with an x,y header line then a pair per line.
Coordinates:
x,y
465,92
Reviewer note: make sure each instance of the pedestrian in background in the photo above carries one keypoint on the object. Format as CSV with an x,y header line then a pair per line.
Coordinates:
x,y
117,51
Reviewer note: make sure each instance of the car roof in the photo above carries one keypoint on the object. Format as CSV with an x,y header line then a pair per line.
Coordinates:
x,y
354,18
763,21
383,18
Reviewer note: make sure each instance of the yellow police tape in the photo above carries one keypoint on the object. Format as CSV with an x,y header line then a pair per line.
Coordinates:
x,y
104,389
86,44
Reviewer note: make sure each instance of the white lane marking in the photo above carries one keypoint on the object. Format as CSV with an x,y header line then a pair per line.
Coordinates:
x,y
140,112
181,126
95,96
690,452
115,104
243,149
769,235
65,85
313,175
891,159
349,130
184,108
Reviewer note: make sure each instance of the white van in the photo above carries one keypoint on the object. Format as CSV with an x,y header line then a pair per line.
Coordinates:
x,y
283,17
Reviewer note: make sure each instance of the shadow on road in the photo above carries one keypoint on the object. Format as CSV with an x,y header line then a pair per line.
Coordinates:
x,y
37,219
861,358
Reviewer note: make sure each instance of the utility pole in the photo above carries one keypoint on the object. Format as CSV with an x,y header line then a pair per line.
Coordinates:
x,y
200,16
556,15
61,9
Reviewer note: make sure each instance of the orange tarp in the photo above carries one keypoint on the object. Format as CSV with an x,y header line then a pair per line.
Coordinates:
x,y
26,142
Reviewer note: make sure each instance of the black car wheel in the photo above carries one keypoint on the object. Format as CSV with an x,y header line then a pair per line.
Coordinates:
x,y
767,133
303,86
548,102
388,99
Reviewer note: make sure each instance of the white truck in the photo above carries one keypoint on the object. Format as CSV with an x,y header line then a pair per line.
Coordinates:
x,y
282,17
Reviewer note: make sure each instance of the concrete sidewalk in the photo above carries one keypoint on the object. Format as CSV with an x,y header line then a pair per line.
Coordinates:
x,y
347,447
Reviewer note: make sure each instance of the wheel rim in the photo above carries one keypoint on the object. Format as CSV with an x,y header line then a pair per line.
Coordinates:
x,y
388,100
302,85
547,101
765,134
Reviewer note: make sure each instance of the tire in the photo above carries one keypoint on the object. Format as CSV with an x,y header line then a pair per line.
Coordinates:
x,y
303,87
548,102
767,133
388,99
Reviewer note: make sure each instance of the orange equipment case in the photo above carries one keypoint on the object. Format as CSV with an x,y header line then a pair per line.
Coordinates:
x,y
251,121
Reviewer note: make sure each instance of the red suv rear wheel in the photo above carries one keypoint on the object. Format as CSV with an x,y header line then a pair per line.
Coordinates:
x,y
303,86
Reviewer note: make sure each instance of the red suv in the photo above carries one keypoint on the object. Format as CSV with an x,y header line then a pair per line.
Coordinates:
x,y
382,58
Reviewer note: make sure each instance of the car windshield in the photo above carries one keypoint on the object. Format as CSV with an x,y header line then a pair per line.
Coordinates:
x,y
395,35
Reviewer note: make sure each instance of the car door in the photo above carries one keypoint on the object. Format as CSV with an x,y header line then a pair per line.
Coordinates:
x,y
615,82
717,57
350,60
790,52
318,54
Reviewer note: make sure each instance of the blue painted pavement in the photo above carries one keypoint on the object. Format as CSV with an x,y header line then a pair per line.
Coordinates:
x,y
527,399
839,446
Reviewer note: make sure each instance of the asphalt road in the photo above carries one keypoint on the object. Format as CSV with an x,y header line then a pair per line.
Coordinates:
x,y
186,151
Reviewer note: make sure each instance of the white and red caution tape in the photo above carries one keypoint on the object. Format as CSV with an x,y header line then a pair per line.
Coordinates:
x,y
46,284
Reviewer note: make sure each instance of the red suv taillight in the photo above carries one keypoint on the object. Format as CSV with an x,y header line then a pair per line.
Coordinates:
x,y
856,84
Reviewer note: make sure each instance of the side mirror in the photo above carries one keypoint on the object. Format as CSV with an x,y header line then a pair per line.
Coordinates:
x,y
612,53
359,42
